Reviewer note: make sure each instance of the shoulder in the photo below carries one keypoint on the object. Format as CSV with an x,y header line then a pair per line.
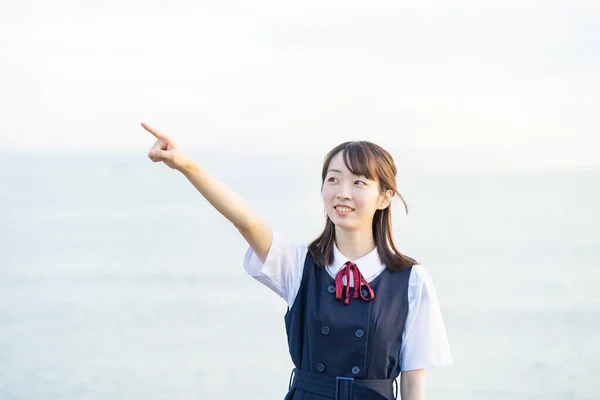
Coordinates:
x,y
416,273
419,274
283,254
295,249
420,284
283,266
282,243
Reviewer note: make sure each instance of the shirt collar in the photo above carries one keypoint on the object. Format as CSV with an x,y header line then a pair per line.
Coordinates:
x,y
369,264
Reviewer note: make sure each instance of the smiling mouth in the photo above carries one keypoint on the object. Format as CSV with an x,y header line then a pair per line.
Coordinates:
x,y
343,210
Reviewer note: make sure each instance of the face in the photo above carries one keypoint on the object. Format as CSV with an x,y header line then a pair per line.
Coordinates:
x,y
351,200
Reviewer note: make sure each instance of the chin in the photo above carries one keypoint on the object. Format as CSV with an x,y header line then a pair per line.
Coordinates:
x,y
346,225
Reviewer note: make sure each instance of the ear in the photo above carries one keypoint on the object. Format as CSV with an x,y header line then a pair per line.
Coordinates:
x,y
385,200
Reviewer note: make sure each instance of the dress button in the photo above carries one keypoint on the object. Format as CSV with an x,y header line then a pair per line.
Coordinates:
x,y
320,367
365,293
331,289
359,333
325,330
355,370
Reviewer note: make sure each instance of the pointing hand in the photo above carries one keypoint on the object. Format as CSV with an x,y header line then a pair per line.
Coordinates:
x,y
166,150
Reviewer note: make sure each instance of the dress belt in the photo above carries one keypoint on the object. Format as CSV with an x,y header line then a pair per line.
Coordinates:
x,y
343,388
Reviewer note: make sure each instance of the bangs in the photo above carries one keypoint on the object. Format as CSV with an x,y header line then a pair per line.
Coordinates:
x,y
364,159
360,160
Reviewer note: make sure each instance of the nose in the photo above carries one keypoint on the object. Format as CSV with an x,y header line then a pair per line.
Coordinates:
x,y
344,192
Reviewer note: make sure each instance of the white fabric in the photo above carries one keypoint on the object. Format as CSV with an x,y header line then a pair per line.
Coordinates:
x,y
424,340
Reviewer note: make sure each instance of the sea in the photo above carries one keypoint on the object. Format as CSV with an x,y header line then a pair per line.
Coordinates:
x,y
118,280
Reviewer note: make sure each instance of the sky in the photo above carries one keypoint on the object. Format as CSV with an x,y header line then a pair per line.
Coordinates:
x,y
464,85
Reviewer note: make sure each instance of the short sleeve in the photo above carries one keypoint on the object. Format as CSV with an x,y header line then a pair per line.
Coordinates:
x,y
425,343
282,269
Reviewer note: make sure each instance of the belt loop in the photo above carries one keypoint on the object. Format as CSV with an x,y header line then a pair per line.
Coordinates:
x,y
292,376
350,387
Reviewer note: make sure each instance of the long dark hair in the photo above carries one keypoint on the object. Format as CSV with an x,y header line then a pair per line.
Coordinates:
x,y
372,161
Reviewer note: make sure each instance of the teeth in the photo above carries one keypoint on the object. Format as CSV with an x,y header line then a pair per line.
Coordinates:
x,y
343,209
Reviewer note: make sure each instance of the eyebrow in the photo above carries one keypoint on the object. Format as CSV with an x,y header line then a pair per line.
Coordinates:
x,y
340,172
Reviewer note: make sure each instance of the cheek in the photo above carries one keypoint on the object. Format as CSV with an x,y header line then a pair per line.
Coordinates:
x,y
327,195
366,203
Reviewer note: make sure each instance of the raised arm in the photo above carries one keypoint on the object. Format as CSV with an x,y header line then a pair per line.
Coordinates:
x,y
232,206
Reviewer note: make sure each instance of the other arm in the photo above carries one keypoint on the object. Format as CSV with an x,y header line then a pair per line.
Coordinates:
x,y
412,384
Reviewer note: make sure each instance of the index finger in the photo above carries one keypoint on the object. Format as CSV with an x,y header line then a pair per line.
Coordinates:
x,y
157,134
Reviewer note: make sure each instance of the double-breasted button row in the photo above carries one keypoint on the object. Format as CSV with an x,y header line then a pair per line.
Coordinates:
x,y
364,291
321,367
358,333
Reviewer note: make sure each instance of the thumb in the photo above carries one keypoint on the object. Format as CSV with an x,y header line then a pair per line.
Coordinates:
x,y
160,155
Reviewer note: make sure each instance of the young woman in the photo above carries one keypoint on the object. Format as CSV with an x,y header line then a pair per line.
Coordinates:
x,y
360,313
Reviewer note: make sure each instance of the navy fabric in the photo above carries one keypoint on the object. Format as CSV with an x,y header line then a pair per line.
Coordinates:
x,y
361,340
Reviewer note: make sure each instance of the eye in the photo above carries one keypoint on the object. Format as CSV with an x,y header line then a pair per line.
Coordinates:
x,y
360,182
331,179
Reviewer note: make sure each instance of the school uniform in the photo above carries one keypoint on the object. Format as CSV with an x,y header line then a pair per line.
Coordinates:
x,y
354,325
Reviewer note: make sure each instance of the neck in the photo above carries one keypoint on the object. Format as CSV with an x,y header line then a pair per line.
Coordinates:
x,y
354,244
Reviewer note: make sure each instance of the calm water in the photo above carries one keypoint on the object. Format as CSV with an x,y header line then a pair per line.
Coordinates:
x,y
118,280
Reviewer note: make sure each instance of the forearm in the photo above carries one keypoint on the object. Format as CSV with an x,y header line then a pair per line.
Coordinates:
x,y
412,385
231,205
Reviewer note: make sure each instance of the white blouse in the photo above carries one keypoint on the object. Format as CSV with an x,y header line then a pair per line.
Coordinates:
x,y
424,340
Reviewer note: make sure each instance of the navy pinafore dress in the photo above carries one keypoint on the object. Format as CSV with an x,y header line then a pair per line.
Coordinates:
x,y
346,351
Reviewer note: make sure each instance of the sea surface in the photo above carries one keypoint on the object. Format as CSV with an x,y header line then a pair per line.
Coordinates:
x,y
119,281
